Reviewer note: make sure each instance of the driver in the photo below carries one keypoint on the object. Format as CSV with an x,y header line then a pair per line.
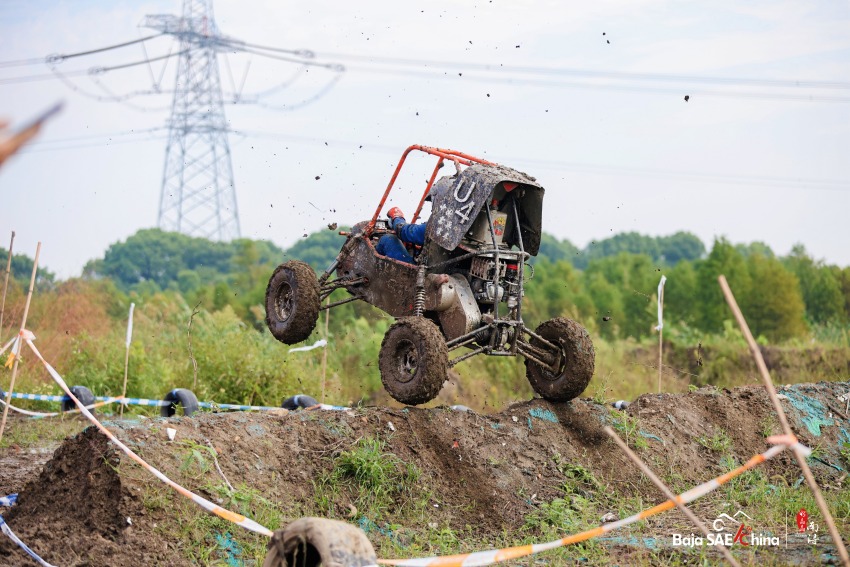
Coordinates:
x,y
392,245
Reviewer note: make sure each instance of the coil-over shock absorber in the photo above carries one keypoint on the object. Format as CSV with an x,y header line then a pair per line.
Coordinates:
x,y
419,298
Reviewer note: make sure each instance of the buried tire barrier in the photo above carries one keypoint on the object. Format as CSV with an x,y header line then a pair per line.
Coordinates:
x,y
81,393
299,401
309,542
179,397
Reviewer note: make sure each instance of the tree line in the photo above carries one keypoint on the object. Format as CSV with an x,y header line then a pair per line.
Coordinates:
x,y
609,286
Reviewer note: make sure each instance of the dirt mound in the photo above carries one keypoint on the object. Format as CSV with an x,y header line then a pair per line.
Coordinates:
x,y
486,474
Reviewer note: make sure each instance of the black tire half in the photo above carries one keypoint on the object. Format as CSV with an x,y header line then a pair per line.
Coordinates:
x,y
81,393
179,397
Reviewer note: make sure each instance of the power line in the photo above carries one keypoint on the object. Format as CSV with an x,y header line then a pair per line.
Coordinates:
x,y
61,57
101,70
601,86
590,74
597,169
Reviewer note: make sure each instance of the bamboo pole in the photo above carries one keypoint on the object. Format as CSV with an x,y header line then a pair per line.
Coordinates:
x,y
6,282
783,420
20,341
325,350
669,493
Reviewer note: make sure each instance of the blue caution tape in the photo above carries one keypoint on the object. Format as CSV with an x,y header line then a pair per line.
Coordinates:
x,y
161,403
130,401
4,527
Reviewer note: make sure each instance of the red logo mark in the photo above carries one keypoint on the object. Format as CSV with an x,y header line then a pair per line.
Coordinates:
x,y
802,520
743,531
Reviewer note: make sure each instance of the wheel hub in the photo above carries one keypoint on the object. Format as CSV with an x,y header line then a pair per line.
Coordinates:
x,y
408,360
283,301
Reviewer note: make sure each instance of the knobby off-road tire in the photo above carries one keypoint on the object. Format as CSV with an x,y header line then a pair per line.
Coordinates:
x,y
81,393
577,361
292,302
179,397
413,360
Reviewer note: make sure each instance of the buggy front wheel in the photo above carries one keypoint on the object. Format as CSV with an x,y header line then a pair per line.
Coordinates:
x,y
575,360
292,302
413,360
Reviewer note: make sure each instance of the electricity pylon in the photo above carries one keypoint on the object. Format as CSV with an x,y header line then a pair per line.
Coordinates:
x,y
198,196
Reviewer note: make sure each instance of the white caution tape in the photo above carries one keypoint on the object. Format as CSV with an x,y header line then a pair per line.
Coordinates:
x,y
130,325
318,344
661,303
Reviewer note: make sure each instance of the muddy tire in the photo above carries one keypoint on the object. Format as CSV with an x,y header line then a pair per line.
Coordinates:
x,y
292,302
81,393
577,361
179,397
413,360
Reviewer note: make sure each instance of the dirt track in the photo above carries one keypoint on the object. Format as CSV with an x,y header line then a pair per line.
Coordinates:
x,y
488,472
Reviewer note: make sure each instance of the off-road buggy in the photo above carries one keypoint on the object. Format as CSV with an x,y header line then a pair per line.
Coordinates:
x,y
464,291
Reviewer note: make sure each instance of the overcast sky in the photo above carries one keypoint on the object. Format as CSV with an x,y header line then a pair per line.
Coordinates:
x,y
586,96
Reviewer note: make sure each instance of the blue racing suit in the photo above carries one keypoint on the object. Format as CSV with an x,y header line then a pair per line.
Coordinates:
x,y
393,246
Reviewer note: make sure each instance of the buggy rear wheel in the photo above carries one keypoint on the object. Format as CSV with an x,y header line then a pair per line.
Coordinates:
x,y
413,360
576,360
292,302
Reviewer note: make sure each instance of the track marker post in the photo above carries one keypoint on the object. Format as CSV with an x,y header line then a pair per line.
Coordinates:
x,y
127,354
16,350
669,493
783,420
660,327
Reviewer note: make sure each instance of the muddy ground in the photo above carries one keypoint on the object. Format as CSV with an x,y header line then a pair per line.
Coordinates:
x,y
487,472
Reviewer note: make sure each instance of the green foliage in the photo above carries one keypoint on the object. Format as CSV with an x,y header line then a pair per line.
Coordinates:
x,y
21,271
668,250
555,250
164,259
823,294
776,309
725,260
635,279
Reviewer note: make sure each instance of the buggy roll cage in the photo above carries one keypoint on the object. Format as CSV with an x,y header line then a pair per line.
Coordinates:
x,y
458,158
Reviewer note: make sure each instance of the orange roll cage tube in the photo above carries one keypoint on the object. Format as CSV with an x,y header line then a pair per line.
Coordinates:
x,y
459,158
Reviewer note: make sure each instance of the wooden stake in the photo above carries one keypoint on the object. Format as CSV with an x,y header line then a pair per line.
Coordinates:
x,y
6,282
786,428
325,350
668,493
20,342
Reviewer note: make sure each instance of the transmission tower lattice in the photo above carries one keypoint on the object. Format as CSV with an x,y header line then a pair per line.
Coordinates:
x,y
198,196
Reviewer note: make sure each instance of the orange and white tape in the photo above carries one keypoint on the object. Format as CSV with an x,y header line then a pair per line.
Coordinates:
x,y
492,556
237,519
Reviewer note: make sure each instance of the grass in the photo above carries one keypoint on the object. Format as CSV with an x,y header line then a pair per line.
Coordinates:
x,y
628,427
374,481
26,432
719,442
